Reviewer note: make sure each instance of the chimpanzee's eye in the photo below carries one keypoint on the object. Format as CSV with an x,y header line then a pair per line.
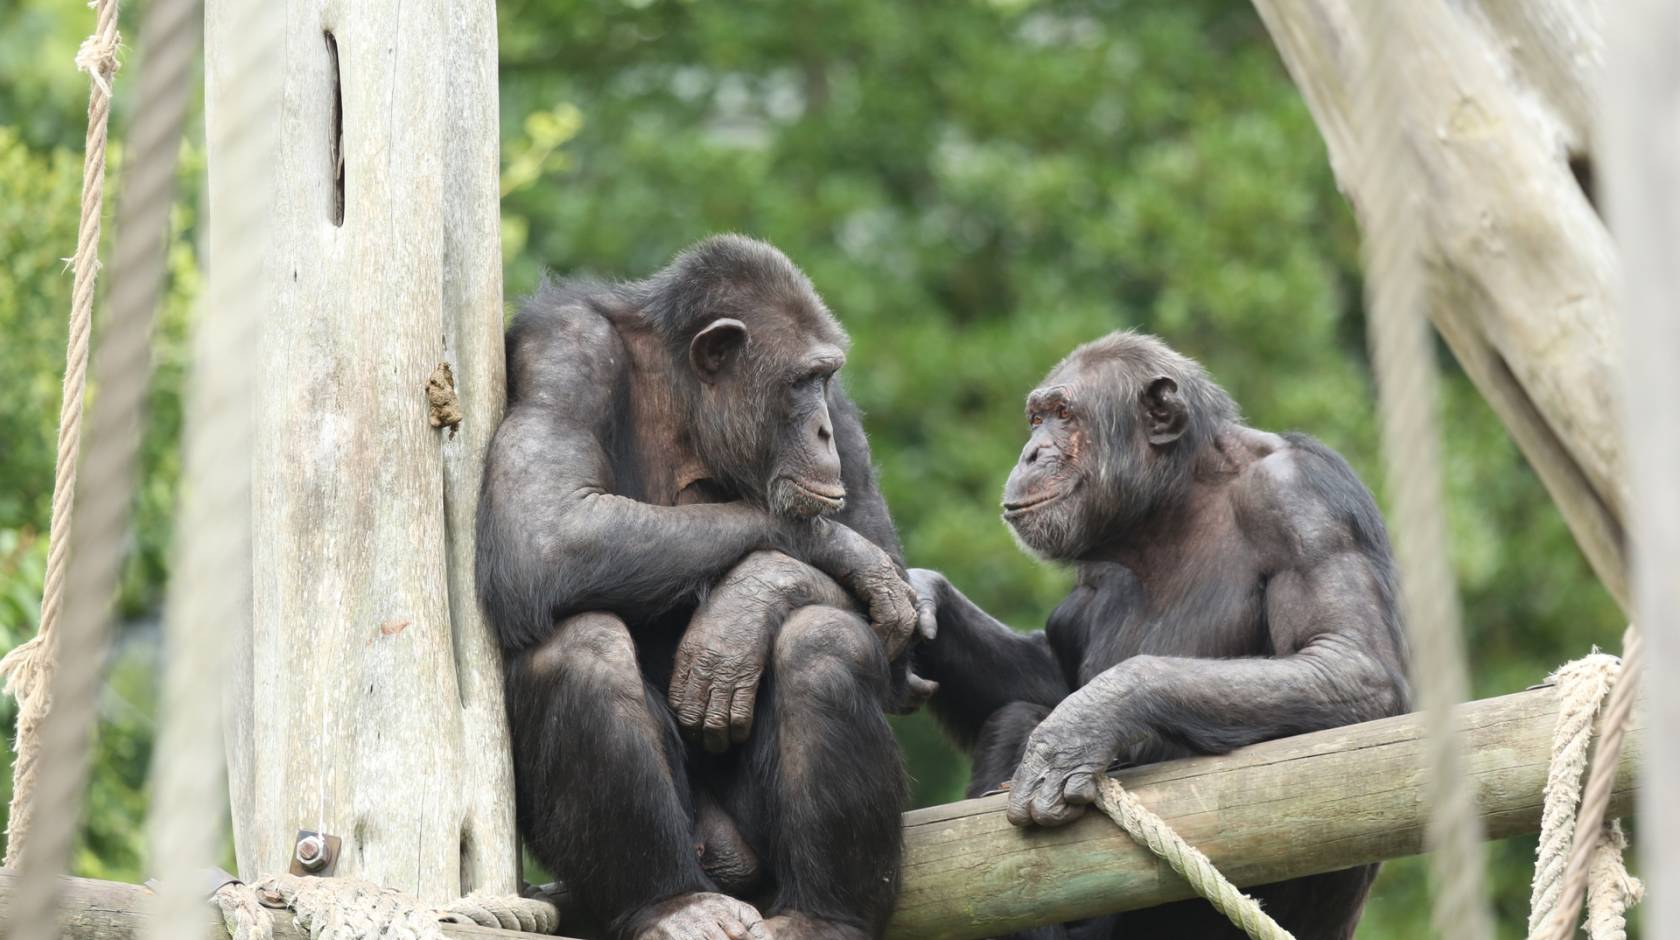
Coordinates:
x,y
1061,412
1035,420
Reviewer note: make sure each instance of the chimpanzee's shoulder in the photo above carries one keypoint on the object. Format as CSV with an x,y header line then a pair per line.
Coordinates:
x,y
1306,493
564,335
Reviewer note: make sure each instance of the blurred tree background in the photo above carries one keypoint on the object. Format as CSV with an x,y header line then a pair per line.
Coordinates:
x,y
975,187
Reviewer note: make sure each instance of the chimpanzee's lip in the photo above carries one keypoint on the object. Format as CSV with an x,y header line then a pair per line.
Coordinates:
x,y
835,496
1015,508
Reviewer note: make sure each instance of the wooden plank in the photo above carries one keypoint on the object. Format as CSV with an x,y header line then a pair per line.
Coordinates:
x,y
1283,809
366,699
110,910
1641,105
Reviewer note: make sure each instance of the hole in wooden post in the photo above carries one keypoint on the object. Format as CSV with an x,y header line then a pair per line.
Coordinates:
x,y
1581,167
335,147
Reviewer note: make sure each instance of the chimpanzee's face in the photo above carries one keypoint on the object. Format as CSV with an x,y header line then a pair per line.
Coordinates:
x,y
765,427
805,468
1042,502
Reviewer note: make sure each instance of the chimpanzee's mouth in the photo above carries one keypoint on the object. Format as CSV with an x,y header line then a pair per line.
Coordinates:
x,y
1022,507
831,498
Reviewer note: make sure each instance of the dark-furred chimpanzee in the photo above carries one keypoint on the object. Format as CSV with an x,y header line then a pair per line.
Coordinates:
x,y
1233,586
677,526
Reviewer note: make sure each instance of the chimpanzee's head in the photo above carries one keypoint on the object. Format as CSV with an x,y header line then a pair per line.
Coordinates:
x,y
758,351
1115,430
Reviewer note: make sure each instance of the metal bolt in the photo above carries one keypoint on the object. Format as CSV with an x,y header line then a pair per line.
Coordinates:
x,y
312,853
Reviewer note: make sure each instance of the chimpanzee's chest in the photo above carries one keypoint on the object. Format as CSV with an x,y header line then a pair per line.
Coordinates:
x,y
1211,608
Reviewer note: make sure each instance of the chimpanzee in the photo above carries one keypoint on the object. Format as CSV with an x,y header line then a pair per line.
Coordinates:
x,y
1233,586
677,524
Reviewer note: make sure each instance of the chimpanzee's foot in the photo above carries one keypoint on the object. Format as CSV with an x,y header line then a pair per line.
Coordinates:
x,y
796,926
698,916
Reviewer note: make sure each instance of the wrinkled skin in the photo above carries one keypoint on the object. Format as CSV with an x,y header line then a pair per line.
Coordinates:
x,y
703,916
722,656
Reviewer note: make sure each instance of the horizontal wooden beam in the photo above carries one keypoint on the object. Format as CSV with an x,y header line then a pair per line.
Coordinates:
x,y
1299,806
111,910
1283,809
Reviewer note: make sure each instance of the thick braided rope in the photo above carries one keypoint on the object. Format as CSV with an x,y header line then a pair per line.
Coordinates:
x,y
1402,355
27,669
1152,832
348,908
1581,687
1595,798
122,369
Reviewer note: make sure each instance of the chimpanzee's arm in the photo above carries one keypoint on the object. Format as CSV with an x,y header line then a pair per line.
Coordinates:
x,y
980,663
554,539
1339,660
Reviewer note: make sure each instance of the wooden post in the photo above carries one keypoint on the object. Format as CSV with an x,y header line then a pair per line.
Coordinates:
x,y
1641,108
367,700
1498,112
1300,806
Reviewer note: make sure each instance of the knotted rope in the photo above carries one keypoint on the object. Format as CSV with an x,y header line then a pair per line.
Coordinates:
x,y
27,669
1594,868
347,907
1152,832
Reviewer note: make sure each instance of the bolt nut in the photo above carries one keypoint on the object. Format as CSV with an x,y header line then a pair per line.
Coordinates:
x,y
311,853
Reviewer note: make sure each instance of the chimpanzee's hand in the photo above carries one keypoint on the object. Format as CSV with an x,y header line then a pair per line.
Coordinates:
x,y
1077,741
714,680
870,574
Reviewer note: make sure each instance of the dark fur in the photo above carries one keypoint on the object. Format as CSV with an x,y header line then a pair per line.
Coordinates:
x,y
1233,587
593,555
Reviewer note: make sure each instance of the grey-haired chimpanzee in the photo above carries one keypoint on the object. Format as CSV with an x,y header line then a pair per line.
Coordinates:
x,y
1233,586
677,527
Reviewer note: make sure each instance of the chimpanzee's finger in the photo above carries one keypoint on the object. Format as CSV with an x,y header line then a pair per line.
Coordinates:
x,y
741,711
1081,788
715,730
691,708
1021,792
927,618
681,670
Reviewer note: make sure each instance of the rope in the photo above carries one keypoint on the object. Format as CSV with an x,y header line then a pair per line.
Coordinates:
x,y
350,908
209,595
103,492
1152,832
1402,355
1581,687
1585,857
27,669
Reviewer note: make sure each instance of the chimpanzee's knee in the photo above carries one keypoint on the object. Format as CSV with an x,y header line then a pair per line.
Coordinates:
x,y
589,663
825,651
1000,744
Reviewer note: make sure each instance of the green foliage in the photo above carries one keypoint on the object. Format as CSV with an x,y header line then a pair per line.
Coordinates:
x,y
975,187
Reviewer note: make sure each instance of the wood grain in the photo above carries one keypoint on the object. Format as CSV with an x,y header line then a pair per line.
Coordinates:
x,y
1283,809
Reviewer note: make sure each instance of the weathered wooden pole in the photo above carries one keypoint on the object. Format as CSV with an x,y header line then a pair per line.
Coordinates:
x,y
367,700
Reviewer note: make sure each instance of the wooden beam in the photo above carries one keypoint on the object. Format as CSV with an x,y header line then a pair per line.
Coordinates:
x,y
1523,266
111,910
1283,809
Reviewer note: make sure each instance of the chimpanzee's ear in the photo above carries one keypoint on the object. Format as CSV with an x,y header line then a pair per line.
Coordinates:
x,y
716,348
1164,412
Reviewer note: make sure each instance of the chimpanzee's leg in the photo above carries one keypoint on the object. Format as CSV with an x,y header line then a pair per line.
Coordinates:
x,y
601,788
820,784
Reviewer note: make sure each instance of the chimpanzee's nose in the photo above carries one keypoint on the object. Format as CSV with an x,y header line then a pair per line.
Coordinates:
x,y
1030,454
